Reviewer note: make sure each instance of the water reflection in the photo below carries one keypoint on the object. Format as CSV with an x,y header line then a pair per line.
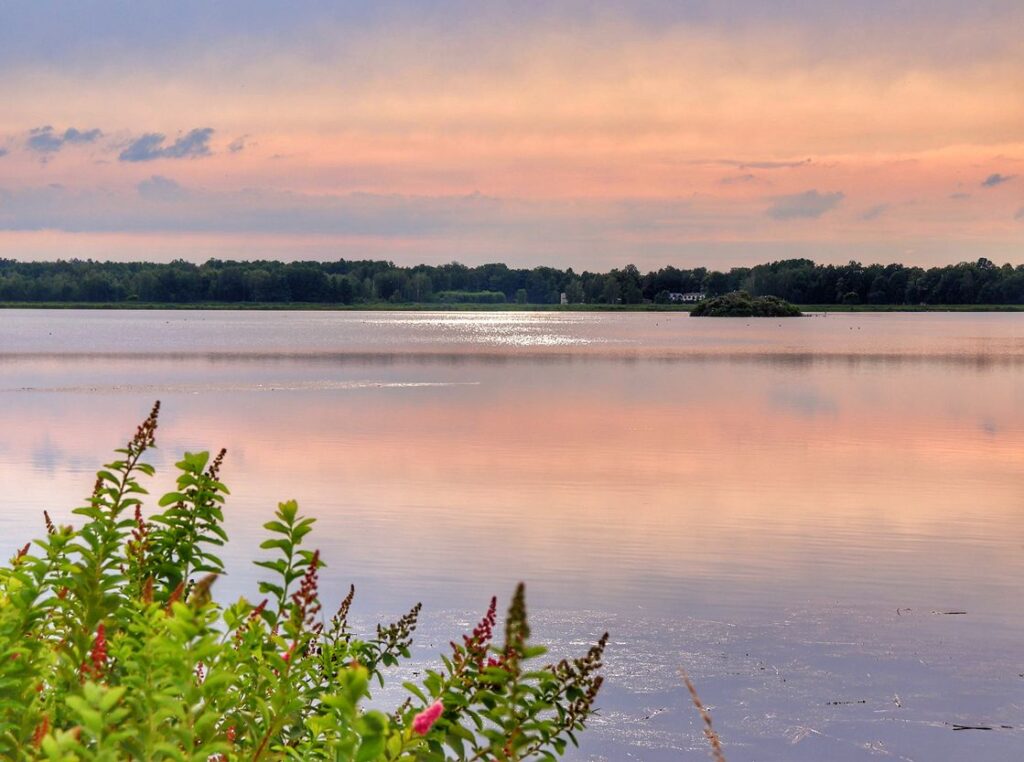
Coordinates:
x,y
798,490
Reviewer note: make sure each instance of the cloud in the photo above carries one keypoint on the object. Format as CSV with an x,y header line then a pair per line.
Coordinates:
x,y
45,141
826,28
874,212
144,149
151,146
1020,214
160,188
71,135
238,144
959,196
760,164
996,179
247,211
3,152
586,234
739,179
159,205
772,164
809,204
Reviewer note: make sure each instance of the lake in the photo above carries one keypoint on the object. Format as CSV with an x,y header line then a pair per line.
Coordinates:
x,y
819,519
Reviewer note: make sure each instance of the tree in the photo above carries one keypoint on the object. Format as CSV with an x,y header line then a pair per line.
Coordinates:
x,y
359,281
422,288
574,291
630,290
716,283
879,292
612,291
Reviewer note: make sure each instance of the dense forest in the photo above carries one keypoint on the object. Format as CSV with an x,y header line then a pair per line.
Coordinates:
x,y
365,282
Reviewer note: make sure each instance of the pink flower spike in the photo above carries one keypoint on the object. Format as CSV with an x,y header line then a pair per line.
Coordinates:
x,y
423,721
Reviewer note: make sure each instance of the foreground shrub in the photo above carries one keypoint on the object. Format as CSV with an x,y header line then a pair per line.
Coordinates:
x,y
112,648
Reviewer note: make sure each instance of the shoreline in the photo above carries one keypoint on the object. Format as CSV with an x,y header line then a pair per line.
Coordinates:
x,y
469,307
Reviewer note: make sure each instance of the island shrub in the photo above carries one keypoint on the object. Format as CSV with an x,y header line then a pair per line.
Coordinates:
x,y
742,304
112,647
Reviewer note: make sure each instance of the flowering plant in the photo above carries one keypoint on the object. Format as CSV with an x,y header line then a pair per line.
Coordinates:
x,y
112,647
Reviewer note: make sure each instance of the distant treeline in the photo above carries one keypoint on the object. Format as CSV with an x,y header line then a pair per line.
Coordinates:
x,y
363,282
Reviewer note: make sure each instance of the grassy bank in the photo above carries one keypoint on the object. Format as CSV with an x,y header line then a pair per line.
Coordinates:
x,y
378,306
810,308
463,307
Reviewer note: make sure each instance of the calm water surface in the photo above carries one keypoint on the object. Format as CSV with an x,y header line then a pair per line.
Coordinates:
x,y
784,508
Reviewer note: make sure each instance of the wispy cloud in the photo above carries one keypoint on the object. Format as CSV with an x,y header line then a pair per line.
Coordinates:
x,y
160,188
772,164
959,196
874,212
151,146
755,164
1020,214
996,179
160,205
3,152
747,177
807,205
238,144
45,140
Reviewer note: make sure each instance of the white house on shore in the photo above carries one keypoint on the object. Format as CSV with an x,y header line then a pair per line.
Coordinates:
x,y
689,296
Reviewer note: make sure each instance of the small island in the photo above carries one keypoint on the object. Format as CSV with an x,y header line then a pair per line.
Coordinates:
x,y
742,304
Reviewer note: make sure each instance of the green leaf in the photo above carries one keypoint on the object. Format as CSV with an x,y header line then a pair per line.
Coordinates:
x,y
415,690
111,697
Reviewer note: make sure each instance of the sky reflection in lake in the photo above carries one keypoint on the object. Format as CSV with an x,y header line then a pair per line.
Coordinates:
x,y
722,494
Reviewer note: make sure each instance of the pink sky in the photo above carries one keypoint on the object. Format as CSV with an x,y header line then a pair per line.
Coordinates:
x,y
559,137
